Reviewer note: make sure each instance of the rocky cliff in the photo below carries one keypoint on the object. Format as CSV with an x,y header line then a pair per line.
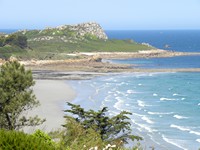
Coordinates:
x,y
83,29
67,33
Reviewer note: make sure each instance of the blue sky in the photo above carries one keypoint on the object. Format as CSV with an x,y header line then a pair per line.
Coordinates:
x,y
111,14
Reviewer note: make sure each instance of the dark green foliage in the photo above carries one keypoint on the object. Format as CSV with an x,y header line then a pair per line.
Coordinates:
x,y
16,96
1,41
13,140
21,41
115,128
14,40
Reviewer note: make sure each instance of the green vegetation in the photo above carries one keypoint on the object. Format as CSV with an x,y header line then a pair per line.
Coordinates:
x,y
88,46
75,137
16,97
43,136
115,129
86,130
15,140
14,40
55,43
13,45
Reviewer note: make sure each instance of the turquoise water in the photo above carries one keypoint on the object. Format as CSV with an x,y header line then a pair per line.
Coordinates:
x,y
165,106
160,63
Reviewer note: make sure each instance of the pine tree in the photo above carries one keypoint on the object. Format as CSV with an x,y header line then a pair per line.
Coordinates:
x,y
116,128
16,96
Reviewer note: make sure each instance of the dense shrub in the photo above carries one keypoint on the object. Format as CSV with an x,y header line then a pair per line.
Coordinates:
x,y
14,40
75,137
43,136
13,140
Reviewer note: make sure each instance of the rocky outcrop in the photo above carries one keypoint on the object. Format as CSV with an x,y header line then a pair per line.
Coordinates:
x,y
67,33
83,29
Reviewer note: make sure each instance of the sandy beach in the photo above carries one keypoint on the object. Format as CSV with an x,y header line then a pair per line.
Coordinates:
x,y
53,95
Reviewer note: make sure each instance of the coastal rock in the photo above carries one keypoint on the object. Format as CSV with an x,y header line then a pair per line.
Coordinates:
x,y
83,29
67,33
12,58
95,58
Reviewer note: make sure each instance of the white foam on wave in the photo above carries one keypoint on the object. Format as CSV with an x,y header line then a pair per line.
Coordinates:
x,y
130,91
147,120
119,103
180,127
195,132
122,83
198,140
167,99
109,79
155,94
160,113
118,92
185,129
139,115
109,92
140,84
172,141
141,103
175,94
143,126
115,94
180,117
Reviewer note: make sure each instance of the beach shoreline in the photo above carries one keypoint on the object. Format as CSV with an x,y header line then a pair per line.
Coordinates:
x,y
94,62
52,95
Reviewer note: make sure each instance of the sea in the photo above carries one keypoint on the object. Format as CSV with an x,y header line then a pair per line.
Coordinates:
x,y
165,107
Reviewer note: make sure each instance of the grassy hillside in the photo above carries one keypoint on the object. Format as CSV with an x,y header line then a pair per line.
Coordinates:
x,y
54,43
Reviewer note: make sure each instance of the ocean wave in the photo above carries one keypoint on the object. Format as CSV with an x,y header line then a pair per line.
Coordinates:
x,y
172,141
110,92
167,99
130,91
198,140
180,127
141,103
122,83
175,94
180,117
143,126
155,94
185,129
139,115
109,79
147,120
119,103
160,113
194,132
